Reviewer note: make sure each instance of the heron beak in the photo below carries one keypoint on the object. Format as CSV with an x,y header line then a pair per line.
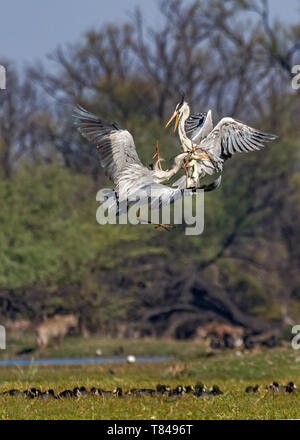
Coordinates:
x,y
176,122
175,115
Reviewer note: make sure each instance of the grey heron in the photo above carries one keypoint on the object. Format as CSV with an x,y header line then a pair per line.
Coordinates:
x,y
211,146
119,158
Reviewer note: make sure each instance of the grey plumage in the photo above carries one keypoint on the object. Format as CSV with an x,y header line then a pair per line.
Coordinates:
x,y
202,131
121,163
194,123
231,136
211,146
115,145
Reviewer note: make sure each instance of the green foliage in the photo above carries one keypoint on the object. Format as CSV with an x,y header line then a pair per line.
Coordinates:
x,y
49,236
246,289
49,233
43,227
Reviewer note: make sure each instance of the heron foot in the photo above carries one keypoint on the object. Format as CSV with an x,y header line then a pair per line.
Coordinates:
x,y
196,154
203,156
165,227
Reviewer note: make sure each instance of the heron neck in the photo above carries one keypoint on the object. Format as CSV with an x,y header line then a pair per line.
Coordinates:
x,y
166,175
186,143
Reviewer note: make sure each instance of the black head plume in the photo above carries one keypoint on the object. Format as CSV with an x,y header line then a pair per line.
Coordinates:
x,y
181,102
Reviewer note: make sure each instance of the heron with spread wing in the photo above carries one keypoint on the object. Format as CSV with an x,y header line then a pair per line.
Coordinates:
x,y
209,147
119,158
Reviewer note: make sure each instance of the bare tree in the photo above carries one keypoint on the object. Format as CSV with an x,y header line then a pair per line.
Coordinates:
x,y
222,54
23,122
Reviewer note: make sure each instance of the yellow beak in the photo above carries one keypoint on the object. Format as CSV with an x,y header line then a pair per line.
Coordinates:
x,y
175,115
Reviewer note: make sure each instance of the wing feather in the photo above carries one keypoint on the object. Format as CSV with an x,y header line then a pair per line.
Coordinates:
x,y
194,123
204,130
231,136
115,145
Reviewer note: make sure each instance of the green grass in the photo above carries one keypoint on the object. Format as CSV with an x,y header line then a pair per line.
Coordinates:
x,y
86,347
230,371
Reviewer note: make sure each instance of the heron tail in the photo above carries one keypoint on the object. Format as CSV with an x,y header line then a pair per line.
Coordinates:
x,y
181,184
212,186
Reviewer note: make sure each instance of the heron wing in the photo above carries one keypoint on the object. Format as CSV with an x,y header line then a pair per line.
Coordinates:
x,y
231,136
163,195
180,183
203,131
115,145
194,123
145,191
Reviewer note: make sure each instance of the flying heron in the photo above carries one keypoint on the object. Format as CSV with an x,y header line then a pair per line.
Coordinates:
x,y
211,146
119,158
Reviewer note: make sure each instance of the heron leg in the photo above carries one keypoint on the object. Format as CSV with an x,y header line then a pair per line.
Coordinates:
x,y
157,156
166,227
157,225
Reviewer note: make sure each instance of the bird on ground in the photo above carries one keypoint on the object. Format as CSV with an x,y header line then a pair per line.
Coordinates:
x,y
94,392
105,393
49,394
215,390
254,389
146,392
209,147
118,392
249,389
289,388
82,391
200,389
31,393
161,389
119,158
14,393
68,393
190,389
178,391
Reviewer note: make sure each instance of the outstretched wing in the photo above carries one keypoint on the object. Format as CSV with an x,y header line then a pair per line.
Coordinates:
x,y
115,145
231,136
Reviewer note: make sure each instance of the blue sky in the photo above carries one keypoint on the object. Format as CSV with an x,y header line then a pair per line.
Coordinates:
x,y
31,29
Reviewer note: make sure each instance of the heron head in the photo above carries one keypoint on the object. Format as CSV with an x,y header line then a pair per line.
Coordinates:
x,y
156,167
180,108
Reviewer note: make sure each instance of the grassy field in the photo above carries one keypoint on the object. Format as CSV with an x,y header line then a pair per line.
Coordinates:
x,y
74,347
231,371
